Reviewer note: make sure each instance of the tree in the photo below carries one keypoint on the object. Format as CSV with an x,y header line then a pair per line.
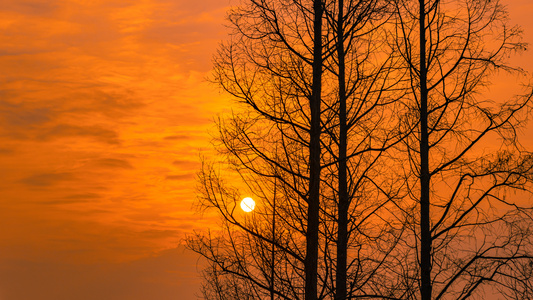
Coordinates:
x,y
468,230
363,96
313,201
274,66
272,144
370,171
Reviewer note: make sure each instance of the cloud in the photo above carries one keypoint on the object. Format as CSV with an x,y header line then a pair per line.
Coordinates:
x,y
97,132
15,116
103,107
180,177
191,164
6,151
178,137
170,274
47,179
86,197
113,163
27,117
30,7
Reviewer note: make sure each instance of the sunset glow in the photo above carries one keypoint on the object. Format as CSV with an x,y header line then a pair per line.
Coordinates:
x,y
247,204
105,111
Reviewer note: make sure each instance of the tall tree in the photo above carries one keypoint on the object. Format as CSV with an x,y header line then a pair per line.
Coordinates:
x,y
425,227
313,201
363,91
273,65
367,160
467,230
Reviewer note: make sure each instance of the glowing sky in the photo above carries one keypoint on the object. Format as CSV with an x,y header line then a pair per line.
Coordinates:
x,y
103,113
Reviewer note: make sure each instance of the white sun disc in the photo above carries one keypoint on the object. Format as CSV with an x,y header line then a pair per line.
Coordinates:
x,y
247,204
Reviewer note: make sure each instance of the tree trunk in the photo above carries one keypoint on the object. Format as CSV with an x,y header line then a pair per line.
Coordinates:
x,y
342,234
425,234
311,258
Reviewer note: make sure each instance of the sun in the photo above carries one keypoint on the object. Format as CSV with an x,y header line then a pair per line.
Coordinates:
x,y
247,204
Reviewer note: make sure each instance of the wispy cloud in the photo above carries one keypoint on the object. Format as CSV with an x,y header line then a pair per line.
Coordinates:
x,y
47,179
103,109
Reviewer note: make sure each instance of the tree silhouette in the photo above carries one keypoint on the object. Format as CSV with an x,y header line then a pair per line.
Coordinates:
x,y
274,66
360,127
358,135
467,230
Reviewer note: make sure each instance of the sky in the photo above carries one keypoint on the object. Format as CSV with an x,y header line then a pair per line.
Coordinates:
x,y
104,113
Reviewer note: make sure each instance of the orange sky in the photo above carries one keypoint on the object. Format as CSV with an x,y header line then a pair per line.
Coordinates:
x,y
103,113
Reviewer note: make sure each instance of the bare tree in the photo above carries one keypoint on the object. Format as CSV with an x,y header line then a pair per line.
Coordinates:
x,y
273,66
371,157
359,133
313,201
468,230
